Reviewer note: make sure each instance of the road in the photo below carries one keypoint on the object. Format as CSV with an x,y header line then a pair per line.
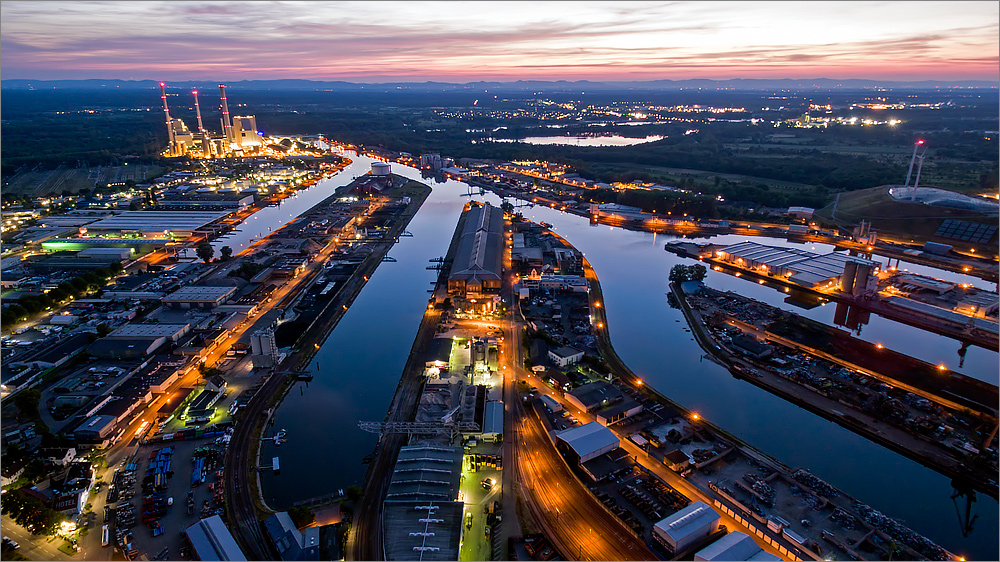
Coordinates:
x,y
569,514
37,548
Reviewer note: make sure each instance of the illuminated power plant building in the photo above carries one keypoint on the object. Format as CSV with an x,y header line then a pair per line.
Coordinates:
x,y
239,133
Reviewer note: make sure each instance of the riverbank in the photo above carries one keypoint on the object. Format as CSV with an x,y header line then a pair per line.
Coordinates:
x,y
908,316
927,450
366,541
739,454
977,266
245,504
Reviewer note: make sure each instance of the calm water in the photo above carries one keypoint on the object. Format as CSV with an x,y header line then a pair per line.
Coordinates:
x,y
361,362
609,140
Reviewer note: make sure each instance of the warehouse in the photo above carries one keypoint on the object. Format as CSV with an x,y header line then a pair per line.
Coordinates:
x,y
609,404
97,427
211,540
587,441
734,546
477,267
198,297
798,266
421,529
176,224
687,527
426,472
173,332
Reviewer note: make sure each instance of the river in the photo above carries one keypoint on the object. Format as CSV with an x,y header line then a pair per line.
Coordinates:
x,y
361,361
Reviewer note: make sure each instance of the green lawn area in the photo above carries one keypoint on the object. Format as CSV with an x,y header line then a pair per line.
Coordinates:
x,y
67,549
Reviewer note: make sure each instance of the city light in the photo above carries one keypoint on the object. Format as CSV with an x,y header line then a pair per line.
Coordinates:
x,y
879,346
695,415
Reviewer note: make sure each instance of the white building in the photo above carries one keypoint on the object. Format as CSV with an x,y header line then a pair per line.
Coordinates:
x,y
245,133
734,546
589,441
686,527
565,356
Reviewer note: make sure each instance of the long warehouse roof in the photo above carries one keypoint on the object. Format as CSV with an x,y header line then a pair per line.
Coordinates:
x,y
479,254
151,221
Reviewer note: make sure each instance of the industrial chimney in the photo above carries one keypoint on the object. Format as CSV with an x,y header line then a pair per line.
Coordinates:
x,y
197,110
227,124
166,115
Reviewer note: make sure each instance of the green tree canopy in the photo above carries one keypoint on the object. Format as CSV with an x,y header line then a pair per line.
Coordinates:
x,y
205,251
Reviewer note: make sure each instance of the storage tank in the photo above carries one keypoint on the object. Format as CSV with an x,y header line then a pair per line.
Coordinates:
x,y
847,277
380,169
861,279
936,248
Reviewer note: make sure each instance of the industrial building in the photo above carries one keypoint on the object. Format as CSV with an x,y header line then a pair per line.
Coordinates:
x,y
477,269
137,245
420,516
173,332
198,297
687,527
211,540
565,356
97,427
422,529
608,404
798,266
311,543
239,133
158,224
493,420
587,441
206,199
734,546
426,472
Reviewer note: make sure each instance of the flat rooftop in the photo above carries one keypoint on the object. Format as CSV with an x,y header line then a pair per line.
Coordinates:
x,y
158,221
422,530
426,472
199,294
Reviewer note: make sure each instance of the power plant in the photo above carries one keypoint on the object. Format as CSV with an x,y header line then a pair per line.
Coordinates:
x,y
239,133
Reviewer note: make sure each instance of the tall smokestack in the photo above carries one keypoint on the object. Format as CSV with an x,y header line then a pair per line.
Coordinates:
x,y
913,159
197,110
227,124
916,182
166,114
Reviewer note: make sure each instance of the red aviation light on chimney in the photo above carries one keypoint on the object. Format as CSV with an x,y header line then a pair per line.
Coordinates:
x,y
920,142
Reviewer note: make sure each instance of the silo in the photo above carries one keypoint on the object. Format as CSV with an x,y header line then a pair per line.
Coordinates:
x,y
847,277
861,279
380,169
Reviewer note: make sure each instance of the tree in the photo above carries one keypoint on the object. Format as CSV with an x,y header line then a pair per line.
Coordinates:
x,y
116,268
103,329
680,273
354,493
205,251
79,285
227,252
27,402
301,516
31,304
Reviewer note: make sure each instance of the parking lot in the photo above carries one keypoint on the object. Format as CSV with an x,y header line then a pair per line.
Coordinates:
x,y
155,489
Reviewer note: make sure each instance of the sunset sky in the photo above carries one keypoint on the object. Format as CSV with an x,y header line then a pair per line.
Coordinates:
x,y
468,41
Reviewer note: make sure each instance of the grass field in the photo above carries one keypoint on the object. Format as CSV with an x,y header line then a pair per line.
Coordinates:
x,y
887,214
69,181
678,173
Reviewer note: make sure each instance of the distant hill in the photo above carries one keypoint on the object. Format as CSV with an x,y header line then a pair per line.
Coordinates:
x,y
517,86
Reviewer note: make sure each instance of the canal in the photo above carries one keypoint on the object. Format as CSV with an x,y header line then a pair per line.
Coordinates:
x,y
360,363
